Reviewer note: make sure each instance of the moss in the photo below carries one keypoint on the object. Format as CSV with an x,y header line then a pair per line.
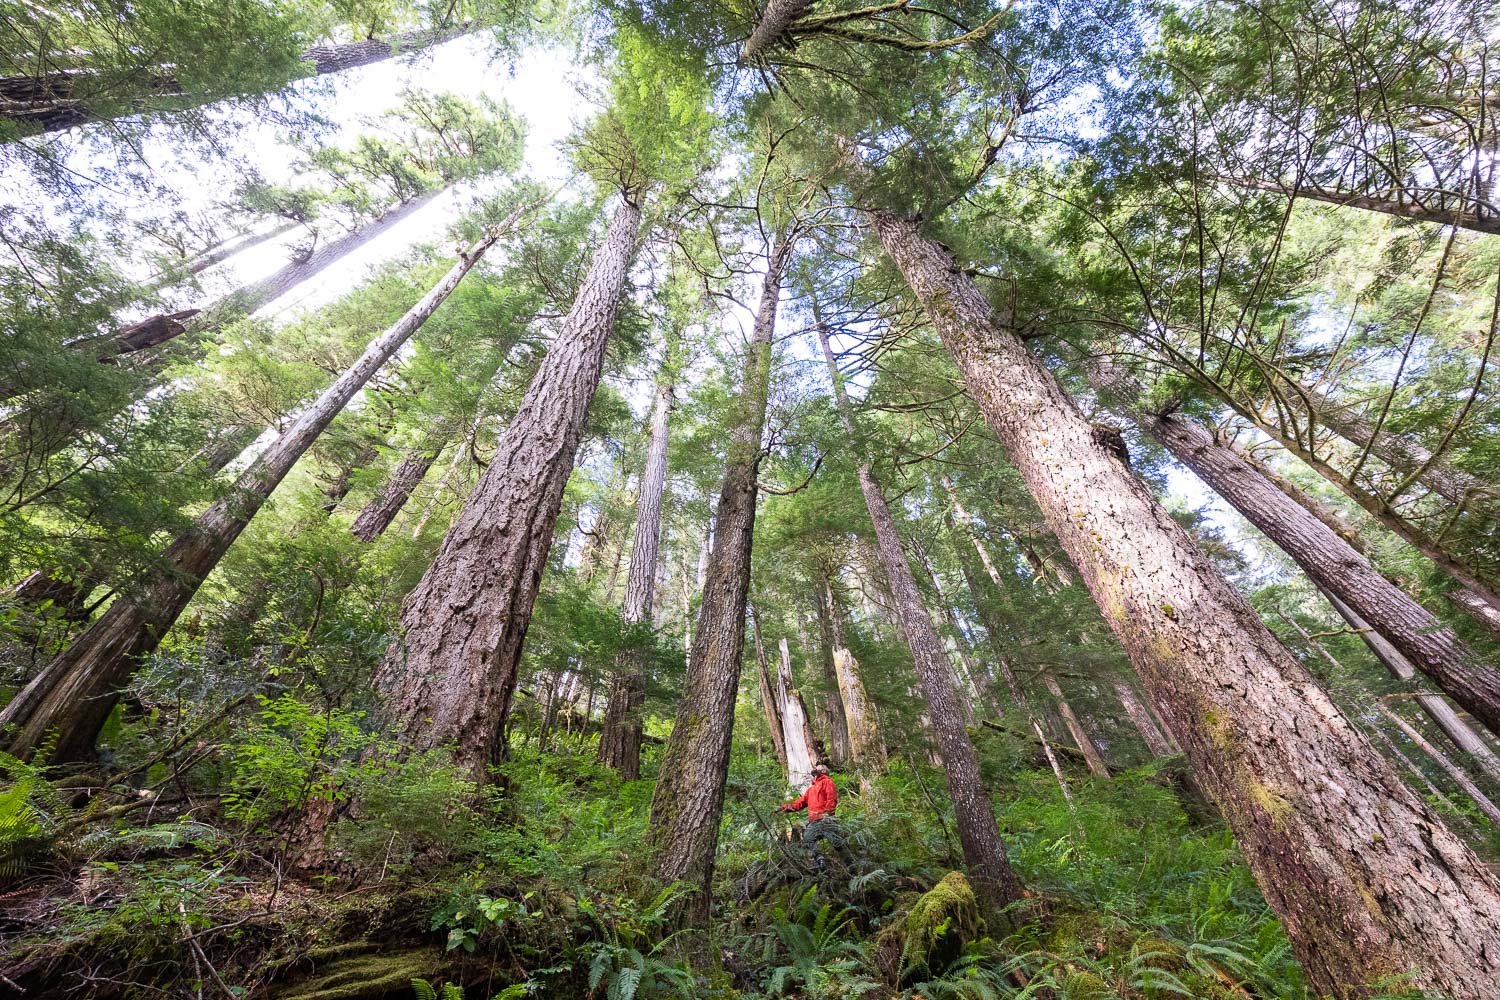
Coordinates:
x,y
938,926
356,976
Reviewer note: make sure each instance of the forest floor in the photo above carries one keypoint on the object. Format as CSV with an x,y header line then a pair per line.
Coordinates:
x,y
546,894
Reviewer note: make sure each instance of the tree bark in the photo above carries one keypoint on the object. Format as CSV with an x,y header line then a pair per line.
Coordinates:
x,y
1400,452
796,728
767,686
1365,878
995,882
377,515
1451,769
1326,558
866,748
1156,741
76,692
840,749
620,739
771,29
1474,217
449,681
54,101
1435,705
688,804
1081,738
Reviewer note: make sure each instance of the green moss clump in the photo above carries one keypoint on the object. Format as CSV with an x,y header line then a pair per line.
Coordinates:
x,y
352,976
938,926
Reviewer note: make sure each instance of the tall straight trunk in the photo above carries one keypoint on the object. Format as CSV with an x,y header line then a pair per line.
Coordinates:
x,y
969,682
1156,741
689,800
1476,595
796,727
768,702
1081,738
377,515
620,739
50,102
995,882
1451,769
1435,705
1328,560
450,679
993,631
771,29
1365,878
75,693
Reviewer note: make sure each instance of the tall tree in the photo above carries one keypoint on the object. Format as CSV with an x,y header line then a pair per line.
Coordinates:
x,y
688,802
75,693
995,882
1228,691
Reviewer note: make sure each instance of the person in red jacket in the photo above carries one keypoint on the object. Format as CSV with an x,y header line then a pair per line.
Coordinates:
x,y
821,798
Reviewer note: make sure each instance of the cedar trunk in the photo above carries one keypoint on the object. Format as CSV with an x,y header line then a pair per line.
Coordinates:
x,y
74,694
689,799
1366,879
995,882
620,739
398,487
450,679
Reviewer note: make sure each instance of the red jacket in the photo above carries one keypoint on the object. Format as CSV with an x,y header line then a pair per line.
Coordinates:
x,y
820,799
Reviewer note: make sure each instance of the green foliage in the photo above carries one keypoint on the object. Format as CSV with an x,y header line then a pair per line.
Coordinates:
x,y
628,961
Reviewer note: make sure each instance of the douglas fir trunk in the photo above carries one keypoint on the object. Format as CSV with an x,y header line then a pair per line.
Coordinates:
x,y
1367,881
689,799
449,679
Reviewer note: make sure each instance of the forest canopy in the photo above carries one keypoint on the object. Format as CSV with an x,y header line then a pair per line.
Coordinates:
x,y
823,499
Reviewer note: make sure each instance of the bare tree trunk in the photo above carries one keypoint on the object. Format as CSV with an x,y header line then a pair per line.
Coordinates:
x,y
867,750
768,701
1365,878
1326,558
450,680
840,749
1435,705
620,739
796,731
50,102
689,800
1080,735
1156,741
995,882
75,693
1451,769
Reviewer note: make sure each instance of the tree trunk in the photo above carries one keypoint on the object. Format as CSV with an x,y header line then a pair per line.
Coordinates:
x,y
377,515
1449,768
866,748
1365,878
450,679
1465,213
1156,741
771,29
1477,595
54,101
995,882
1435,705
1326,558
689,800
1080,735
767,686
796,730
620,739
75,693
1401,453
840,749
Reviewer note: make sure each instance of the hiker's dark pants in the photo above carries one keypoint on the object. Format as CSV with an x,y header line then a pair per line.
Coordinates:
x,y
824,828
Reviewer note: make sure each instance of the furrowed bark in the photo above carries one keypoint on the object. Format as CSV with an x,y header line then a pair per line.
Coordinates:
x,y
1366,879
449,681
76,692
689,800
1326,558
59,100
620,739
995,882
